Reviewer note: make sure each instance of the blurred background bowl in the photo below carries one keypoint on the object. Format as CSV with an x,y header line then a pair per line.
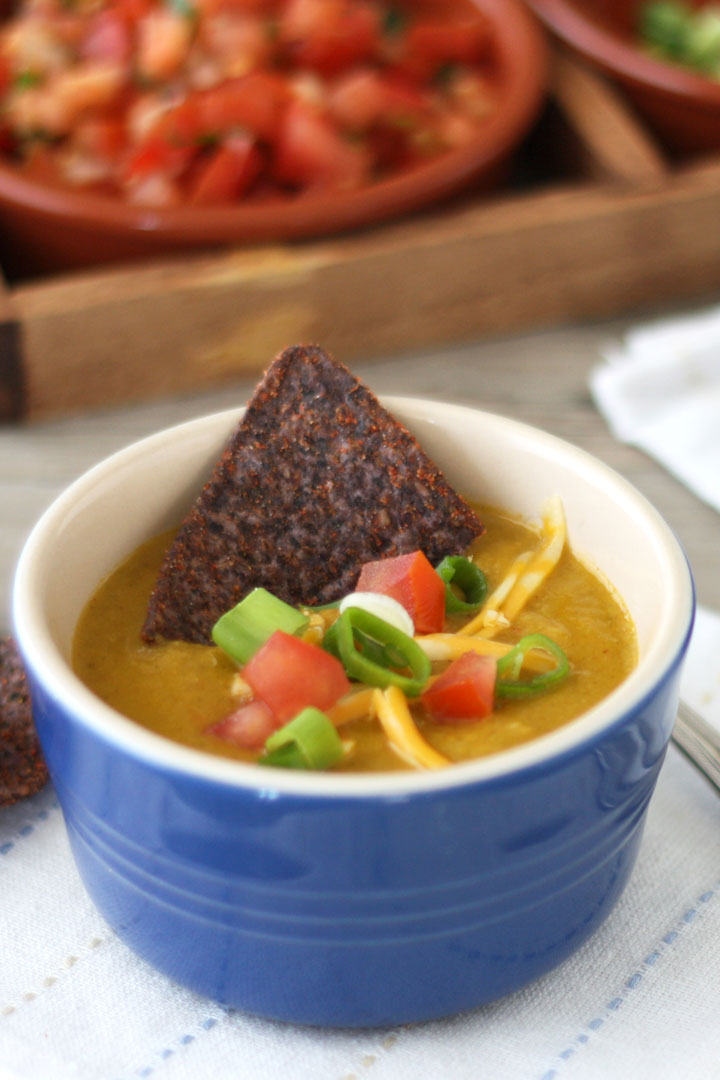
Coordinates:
x,y
682,107
45,229
356,899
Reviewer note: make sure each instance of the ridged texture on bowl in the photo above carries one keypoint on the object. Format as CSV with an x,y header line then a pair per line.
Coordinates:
x,y
352,912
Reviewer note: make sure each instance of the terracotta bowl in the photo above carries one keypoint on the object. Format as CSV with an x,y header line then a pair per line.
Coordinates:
x,y
45,229
682,107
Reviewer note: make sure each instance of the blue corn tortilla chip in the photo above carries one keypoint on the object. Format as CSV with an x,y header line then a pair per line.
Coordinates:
x,y
317,479
22,767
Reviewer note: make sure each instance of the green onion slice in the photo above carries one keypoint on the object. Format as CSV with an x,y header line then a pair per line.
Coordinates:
x,y
511,663
465,575
370,650
309,741
241,631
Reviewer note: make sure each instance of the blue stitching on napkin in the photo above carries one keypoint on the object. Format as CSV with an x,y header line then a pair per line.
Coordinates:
x,y
688,918
29,827
184,1040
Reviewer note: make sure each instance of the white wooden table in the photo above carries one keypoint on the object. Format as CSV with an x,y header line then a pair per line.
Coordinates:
x,y
541,378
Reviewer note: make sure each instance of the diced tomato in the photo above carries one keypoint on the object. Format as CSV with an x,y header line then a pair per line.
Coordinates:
x,y
254,103
181,125
288,674
228,173
248,726
6,75
330,36
434,43
413,582
464,692
107,37
303,18
131,11
311,152
252,7
357,100
102,136
237,42
404,105
157,157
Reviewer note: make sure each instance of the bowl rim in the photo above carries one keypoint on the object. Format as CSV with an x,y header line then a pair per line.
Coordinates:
x,y
46,664
621,57
525,53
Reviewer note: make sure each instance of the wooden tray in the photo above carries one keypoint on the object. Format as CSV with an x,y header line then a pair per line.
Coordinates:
x,y
598,222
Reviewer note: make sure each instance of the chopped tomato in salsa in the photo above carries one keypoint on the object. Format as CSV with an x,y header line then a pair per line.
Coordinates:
x,y
166,102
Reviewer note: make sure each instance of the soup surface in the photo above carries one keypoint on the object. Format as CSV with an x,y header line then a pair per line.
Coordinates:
x,y
178,689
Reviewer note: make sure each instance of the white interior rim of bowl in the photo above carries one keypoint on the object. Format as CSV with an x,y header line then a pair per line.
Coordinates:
x,y
65,687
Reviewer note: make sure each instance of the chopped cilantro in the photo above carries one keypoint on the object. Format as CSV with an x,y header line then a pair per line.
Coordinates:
x,y
394,22
26,80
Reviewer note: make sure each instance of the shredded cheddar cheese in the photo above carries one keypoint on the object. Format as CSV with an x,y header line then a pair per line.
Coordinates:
x,y
315,631
490,615
240,689
394,715
450,646
555,534
353,706
525,576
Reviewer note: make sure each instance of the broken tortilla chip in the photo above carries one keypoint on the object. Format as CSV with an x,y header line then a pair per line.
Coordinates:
x,y
317,479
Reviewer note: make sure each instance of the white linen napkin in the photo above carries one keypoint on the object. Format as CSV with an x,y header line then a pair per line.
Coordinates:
x,y
660,391
639,1000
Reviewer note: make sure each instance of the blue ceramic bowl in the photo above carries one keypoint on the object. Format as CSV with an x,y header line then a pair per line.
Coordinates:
x,y
351,900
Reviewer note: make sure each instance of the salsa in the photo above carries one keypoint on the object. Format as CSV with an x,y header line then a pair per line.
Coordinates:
x,y
165,103
579,644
